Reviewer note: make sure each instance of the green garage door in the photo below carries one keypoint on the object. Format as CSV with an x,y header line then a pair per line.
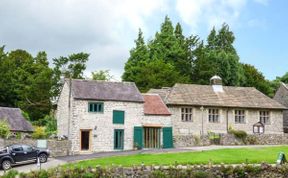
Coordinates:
x,y
138,136
167,137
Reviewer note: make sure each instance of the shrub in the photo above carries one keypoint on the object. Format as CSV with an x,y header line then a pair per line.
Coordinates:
x,y
4,129
240,134
51,125
39,133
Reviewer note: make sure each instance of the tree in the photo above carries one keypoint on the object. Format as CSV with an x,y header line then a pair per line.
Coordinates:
x,y
102,75
156,74
218,57
72,66
254,78
26,82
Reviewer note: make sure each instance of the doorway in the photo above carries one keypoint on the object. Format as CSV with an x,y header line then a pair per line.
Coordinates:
x,y
85,140
152,137
118,139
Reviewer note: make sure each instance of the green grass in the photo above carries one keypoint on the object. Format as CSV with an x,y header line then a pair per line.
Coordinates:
x,y
227,156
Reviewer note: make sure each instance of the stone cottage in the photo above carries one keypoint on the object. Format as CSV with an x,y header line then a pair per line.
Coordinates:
x,y
199,109
15,120
107,116
282,97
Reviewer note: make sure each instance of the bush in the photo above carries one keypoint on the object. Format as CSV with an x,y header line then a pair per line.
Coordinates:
x,y
240,134
4,129
51,125
39,133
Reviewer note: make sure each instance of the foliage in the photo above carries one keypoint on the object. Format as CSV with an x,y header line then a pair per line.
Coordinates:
x,y
203,171
51,125
164,61
72,66
240,134
25,82
102,75
4,128
39,133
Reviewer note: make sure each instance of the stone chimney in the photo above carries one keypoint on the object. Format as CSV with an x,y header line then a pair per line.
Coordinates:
x,y
216,83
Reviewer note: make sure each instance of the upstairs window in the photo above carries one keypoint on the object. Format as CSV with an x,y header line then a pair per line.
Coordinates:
x,y
186,114
118,117
96,107
239,116
265,117
213,115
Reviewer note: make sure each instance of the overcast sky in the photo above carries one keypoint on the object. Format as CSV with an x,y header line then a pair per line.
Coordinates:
x,y
106,29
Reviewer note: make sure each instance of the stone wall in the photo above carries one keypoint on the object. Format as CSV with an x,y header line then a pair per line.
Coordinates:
x,y
230,139
57,147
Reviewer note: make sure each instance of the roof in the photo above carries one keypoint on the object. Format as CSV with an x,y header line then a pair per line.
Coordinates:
x,y
106,91
282,94
15,119
163,92
204,95
154,105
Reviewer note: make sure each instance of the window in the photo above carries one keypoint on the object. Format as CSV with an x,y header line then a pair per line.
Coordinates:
x,y
239,116
214,115
118,139
27,148
118,117
17,148
95,107
265,117
186,114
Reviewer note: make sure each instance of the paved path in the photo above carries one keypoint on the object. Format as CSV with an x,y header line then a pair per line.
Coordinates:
x,y
54,162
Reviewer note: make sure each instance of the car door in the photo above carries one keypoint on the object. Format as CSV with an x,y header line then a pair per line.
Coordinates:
x,y
17,153
29,152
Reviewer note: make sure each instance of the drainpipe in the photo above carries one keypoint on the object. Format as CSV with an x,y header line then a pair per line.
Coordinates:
x,y
227,120
69,107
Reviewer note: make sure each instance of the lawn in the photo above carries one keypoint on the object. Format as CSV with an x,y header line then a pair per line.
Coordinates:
x,y
227,156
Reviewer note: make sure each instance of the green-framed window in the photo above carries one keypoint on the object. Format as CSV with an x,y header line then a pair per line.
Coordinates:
x,y
118,117
119,139
95,106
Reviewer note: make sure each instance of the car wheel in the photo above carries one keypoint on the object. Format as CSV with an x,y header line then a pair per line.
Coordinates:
x,y
43,158
6,164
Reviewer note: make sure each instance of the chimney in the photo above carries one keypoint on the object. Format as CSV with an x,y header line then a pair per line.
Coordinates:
x,y
216,83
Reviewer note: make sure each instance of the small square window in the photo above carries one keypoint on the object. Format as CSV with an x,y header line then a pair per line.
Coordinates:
x,y
239,116
186,115
118,117
265,117
213,115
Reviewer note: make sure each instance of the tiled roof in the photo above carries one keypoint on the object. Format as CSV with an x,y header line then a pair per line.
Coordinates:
x,y
204,95
15,119
106,91
154,105
282,94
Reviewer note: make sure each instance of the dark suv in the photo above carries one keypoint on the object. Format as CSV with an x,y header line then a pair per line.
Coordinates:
x,y
19,154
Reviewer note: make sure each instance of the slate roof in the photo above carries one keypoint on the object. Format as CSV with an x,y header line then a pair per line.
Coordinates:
x,y
204,95
15,119
106,91
154,105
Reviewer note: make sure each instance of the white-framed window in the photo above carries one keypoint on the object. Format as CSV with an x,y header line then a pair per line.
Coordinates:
x,y
186,114
213,115
239,116
265,117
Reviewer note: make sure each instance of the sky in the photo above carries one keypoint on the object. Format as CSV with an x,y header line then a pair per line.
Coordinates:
x,y
106,29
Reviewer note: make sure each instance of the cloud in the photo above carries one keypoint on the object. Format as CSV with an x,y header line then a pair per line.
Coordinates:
x,y
209,12
104,28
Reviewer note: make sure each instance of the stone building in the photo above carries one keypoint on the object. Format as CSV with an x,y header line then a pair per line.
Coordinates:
x,y
282,97
199,109
107,116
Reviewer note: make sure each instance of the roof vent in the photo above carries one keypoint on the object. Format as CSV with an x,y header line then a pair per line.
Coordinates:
x,y
216,83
